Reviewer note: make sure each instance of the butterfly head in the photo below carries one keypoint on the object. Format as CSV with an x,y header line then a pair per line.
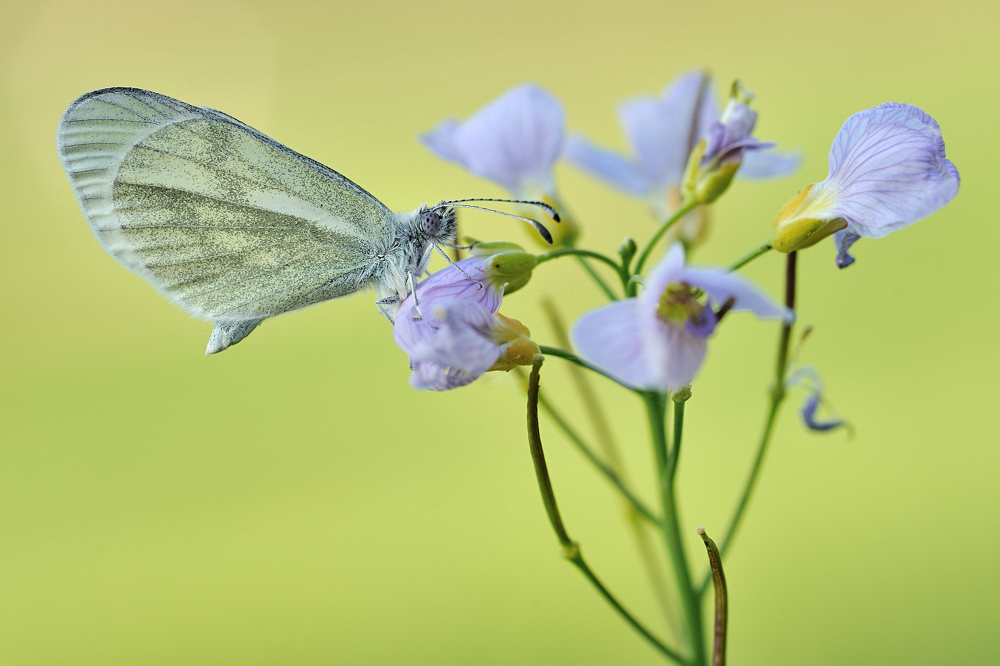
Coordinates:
x,y
438,223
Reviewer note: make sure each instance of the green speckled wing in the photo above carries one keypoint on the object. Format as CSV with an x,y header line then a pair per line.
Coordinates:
x,y
226,222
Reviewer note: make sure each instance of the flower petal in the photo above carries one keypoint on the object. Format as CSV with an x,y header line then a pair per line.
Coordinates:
x,y
808,411
608,338
721,285
770,163
514,140
606,165
888,169
663,131
441,140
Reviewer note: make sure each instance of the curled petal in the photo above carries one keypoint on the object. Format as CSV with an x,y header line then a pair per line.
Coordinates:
x,y
515,140
808,411
888,169
844,239
474,284
721,285
607,165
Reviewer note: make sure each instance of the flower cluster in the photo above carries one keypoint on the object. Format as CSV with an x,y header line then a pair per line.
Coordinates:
x,y
887,170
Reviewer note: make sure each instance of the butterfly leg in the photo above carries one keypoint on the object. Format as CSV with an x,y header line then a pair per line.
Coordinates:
x,y
445,255
411,284
383,307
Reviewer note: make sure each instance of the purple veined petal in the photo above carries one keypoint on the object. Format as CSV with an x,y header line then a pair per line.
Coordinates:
x,y
450,283
609,338
888,169
514,140
769,163
669,270
606,165
844,239
721,286
429,376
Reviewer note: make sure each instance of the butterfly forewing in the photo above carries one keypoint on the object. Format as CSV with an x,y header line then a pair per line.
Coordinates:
x,y
224,220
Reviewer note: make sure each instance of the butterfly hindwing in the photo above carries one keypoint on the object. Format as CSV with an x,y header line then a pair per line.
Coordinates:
x,y
228,223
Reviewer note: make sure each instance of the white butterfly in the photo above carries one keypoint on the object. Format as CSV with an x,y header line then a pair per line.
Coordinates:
x,y
228,223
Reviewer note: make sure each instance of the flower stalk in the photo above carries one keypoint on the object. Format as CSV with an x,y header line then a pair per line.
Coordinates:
x,y
571,550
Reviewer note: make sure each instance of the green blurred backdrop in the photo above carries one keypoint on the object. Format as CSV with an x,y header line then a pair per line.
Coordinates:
x,y
294,501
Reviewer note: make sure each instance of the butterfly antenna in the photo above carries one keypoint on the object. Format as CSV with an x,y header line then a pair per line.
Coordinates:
x,y
541,204
535,223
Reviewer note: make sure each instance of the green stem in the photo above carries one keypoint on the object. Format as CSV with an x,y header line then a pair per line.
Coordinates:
x,y
571,549
573,358
777,397
721,599
597,279
573,251
675,453
685,208
750,256
691,618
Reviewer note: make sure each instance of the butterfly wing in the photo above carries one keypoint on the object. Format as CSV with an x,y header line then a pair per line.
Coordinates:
x,y
231,225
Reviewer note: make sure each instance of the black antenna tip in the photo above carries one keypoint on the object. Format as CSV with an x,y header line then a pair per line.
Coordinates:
x,y
544,233
555,216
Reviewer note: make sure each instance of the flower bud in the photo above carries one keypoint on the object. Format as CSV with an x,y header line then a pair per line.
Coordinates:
x,y
509,265
805,220
627,250
516,347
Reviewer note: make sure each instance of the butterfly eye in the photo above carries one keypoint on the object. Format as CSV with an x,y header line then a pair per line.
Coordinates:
x,y
430,223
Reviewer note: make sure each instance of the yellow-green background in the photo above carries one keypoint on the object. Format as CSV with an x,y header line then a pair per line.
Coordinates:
x,y
294,501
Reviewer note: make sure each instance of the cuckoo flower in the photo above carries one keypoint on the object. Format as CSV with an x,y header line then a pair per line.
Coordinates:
x,y
451,328
658,341
887,170
514,140
662,132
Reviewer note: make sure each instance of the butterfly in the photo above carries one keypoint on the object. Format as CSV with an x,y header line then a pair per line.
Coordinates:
x,y
231,225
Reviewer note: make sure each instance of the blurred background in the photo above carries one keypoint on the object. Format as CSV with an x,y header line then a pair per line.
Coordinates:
x,y
292,500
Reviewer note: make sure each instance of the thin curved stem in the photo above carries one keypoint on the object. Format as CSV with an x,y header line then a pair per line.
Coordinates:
x,y
573,251
638,516
777,397
685,208
573,358
571,550
750,256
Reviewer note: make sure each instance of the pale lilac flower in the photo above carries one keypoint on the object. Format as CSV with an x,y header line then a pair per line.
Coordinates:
x,y
663,131
887,170
456,333
658,341
514,140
